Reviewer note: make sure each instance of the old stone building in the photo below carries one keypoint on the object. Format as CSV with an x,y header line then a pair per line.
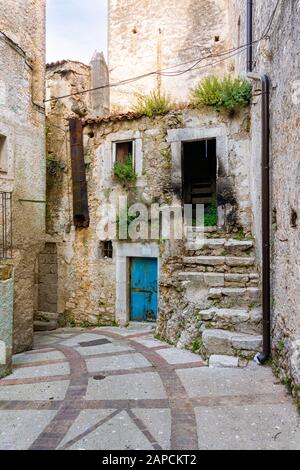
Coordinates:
x,y
208,295
166,36
278,56
212,288
22,164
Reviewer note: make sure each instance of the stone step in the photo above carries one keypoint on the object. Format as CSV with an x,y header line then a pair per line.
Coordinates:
x,y
222,342
216,279
45,325
46,316
240,320
217,247
202,229
220,260
234,264
235,297
223,362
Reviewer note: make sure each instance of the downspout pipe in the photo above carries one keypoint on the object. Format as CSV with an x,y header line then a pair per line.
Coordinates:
x,y
265,213
261,358
249,20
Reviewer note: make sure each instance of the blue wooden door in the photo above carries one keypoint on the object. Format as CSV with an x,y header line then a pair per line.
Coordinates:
x,y
144,289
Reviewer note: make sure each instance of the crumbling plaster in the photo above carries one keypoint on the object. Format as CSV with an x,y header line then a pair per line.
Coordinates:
x,y
278,56
148,36
22,120
92,289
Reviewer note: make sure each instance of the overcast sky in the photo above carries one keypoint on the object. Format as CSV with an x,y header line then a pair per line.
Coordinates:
x,y
75,28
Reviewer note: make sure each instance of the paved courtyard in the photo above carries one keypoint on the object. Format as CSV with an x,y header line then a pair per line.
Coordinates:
x,y
111,388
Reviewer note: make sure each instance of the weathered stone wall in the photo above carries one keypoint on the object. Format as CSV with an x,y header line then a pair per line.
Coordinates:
x,y
147,36
6,319
87,281
47,289
81,267
22,122
279,57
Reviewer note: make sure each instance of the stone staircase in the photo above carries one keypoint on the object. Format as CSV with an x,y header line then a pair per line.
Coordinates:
x,y
220,278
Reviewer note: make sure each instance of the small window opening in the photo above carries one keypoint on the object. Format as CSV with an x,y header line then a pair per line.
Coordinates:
x,y
108,249
217,38
124,150
200,174
294,219
3,156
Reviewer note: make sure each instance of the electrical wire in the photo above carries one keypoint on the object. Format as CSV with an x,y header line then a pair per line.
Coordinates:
x,y
162,72
167,71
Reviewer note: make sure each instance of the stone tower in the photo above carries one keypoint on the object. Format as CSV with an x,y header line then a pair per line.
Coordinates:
x,y
146,36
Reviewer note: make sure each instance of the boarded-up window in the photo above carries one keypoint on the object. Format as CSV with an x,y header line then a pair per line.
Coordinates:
x,y
124,150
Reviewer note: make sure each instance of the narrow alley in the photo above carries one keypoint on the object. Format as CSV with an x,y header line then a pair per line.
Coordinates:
x,y
118,388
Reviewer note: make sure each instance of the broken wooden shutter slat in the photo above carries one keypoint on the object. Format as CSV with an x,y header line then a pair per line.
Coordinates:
x,y
80,196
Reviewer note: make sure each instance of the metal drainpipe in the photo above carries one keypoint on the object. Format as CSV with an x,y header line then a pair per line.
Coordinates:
x,y
261,358
249,35
265,211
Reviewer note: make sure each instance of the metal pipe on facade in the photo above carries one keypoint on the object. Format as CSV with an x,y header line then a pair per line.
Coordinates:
x,y
80,194
265,211
261,358
249,19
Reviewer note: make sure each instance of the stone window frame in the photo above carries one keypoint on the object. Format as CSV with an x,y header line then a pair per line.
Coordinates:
x,y
114,150
6,172
176,137
124,251
107,154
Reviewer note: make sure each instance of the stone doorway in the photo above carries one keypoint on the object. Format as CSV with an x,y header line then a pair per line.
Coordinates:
x,y
47,316
199,173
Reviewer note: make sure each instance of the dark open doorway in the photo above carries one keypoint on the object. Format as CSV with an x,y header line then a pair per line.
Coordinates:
x,y
199,170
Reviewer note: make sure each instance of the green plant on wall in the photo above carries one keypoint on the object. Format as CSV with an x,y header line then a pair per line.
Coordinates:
x,y
124,172
211,216
224,94
153,104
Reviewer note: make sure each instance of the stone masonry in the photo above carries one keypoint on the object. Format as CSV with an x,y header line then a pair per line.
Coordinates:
x,y
89,292
147,36
279,57
6,319
22,125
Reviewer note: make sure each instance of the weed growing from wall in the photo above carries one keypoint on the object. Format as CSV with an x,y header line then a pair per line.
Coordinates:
x,y
124,172
153,104
225,94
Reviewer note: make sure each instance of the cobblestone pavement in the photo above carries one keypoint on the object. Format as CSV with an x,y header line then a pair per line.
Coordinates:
x,y
111,388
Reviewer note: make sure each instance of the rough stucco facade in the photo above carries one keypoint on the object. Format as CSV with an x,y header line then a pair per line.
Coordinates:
x,y
22,125
278,56
148,36
200,288
70,248
209,295
93,289
6,319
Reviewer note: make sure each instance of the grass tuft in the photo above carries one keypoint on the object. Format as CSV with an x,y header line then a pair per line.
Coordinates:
x,y
153,104
224,94
124,172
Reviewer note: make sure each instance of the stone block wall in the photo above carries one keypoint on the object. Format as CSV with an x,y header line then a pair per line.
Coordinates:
x,y
86,280
6,319
47,289
22,123
278,56
152,35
